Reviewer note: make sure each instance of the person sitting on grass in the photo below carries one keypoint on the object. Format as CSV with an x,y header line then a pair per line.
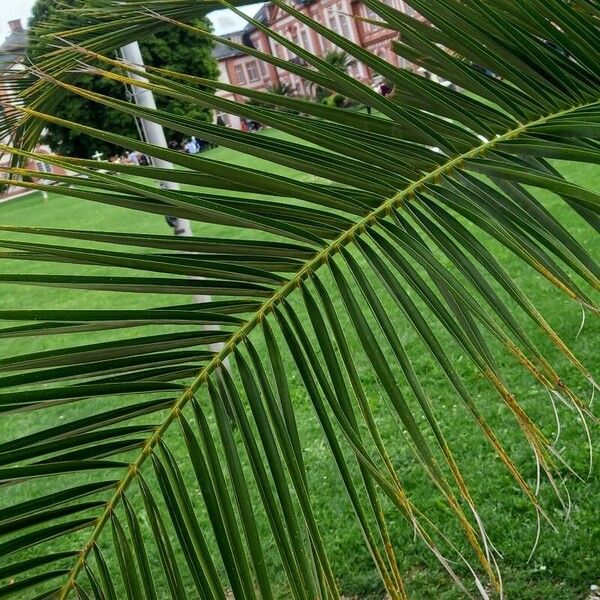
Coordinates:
x,y
191,147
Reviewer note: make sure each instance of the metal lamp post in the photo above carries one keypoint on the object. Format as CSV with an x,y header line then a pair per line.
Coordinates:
x,y
153,133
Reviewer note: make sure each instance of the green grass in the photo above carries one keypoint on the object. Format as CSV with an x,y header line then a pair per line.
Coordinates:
x,y
566,562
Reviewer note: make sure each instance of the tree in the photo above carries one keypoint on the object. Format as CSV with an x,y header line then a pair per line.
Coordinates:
x,y
173,49
280,89
389,245
338,59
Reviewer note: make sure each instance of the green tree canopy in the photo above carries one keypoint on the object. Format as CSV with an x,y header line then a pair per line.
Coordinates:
x,y
173,49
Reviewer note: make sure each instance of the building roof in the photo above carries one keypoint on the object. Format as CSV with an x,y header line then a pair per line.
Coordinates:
x,y
262,16
221,51
13,49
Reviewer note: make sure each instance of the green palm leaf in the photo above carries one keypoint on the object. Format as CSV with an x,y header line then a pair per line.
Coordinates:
x,y
383,226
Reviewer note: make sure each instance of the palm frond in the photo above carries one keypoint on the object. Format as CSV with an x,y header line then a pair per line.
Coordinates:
x,y
383,224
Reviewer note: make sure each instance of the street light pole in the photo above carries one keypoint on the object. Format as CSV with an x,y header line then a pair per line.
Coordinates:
x,y
153,133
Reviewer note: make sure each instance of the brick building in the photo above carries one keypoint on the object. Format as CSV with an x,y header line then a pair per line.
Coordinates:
x,y
12,51
12,54
238,68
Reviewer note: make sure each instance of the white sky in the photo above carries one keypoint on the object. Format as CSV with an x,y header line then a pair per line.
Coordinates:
x,y
224,21
13,9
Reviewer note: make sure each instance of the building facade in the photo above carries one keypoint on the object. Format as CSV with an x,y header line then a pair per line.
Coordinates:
x,y
12,54
342,16
12,51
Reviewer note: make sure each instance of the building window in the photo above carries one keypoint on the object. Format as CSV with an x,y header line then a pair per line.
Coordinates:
x,y
295,39
43,167
252,71
239,75
373,16
305,41
331,17
338,22
345,26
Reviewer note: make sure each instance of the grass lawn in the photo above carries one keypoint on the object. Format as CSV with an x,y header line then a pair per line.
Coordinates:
x,y
567,560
